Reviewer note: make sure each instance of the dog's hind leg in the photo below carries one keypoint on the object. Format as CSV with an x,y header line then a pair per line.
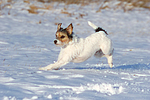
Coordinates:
x,y
110,60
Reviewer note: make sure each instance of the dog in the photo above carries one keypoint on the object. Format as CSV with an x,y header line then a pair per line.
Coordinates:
x,y
75,49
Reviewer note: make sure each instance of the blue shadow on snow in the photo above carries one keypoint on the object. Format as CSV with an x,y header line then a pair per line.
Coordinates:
x,y
123,67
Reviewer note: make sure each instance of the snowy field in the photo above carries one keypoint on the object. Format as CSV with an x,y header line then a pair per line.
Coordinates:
x,y
26,44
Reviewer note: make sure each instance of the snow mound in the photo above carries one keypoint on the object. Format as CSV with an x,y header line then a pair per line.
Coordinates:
x,y
5,79
108,89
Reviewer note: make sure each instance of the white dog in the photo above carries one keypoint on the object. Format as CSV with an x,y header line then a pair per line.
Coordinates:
x,y
75,49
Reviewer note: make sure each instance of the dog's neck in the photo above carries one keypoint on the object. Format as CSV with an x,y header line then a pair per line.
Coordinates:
x,y
75,39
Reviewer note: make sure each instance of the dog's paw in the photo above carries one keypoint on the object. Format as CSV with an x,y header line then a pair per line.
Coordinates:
x,y
44,68
111,65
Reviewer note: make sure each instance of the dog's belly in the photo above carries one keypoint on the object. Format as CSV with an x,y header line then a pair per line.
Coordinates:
x,y
80,59
83,56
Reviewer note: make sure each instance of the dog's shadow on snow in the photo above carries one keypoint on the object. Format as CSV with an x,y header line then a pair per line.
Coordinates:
x,y
134,67
122,67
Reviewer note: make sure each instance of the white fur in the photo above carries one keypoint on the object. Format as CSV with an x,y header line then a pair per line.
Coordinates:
x,y
79,49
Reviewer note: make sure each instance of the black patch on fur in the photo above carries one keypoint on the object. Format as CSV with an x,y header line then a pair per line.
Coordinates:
x,y
65,31
100,29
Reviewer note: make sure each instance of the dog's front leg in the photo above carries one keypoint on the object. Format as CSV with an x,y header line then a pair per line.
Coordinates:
x,y
62,60
49,67
55,66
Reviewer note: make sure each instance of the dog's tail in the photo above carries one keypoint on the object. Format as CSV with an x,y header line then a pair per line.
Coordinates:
x,y
96,28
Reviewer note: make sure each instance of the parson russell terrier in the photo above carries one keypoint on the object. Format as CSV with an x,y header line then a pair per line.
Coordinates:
x,y
75,49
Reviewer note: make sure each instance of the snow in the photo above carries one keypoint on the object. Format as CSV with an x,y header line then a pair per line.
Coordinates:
x,y
26,45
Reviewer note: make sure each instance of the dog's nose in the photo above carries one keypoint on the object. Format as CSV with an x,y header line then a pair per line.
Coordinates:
x,y
55,41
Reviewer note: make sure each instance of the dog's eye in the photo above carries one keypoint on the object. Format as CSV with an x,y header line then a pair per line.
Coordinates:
x,y
62,37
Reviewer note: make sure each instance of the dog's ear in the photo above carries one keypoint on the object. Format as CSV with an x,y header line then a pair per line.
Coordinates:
x,y
70,29
59,26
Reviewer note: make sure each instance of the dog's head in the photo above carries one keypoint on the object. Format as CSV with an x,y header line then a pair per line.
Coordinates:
x,y
63,36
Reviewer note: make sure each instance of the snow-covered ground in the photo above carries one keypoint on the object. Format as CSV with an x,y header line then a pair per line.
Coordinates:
x,y
26,43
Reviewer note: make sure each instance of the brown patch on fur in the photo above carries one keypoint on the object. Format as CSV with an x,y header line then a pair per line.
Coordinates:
x,y
59,26
63,37
70,29
65,40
